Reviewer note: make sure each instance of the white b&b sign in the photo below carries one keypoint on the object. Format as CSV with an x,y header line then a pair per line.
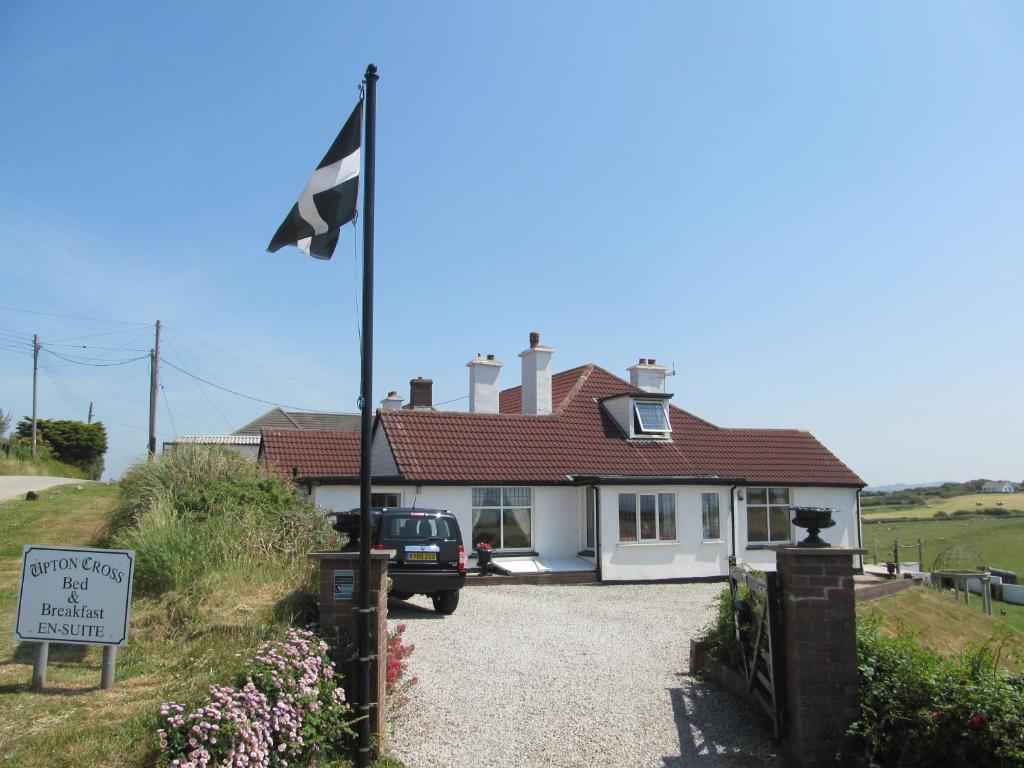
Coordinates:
x,y
75,595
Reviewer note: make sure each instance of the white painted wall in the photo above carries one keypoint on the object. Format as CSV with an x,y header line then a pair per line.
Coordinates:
x,y
688,557
556,510
843,533
558,520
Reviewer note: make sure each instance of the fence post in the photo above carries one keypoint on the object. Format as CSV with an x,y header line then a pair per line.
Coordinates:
x,y
820,639
896,555
920,555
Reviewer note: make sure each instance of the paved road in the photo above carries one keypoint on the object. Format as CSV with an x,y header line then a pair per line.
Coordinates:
x,y
14,486
569,677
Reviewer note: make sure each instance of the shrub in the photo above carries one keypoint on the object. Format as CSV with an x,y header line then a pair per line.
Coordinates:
x,y
286,709
189,511
76,443
919,708
397,682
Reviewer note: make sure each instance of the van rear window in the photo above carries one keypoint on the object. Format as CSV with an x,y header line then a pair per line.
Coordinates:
x,y
418,527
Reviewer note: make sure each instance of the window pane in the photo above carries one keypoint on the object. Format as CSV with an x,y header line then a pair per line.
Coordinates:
x,y
666,516
757,495
627,517
648,521
780,523
517,528
516,497
778,495
757,523
487,497
710,516
487,527
652,417
380,500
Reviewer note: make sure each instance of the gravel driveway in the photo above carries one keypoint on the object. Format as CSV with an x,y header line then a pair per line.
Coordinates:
x,y
566,676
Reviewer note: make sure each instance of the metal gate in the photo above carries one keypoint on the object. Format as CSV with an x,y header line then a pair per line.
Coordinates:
x,y
757,623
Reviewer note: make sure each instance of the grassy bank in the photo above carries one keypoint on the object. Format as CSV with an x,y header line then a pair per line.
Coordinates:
x,y
944,624
221,568
38,467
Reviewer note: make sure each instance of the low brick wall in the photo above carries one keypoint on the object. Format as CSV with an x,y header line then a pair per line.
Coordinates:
x,y
882,589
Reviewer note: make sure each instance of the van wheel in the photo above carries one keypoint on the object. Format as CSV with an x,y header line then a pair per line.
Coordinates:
x,y
446,601
400,595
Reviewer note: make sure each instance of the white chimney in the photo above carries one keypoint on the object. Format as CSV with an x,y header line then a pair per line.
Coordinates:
x,y
648,375
483,384
392,401
536,390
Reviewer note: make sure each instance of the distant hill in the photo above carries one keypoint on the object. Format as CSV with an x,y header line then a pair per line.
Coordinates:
x,y
904,487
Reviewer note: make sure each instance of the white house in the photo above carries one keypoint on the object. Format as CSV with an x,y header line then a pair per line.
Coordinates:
x,y
582,470
998,486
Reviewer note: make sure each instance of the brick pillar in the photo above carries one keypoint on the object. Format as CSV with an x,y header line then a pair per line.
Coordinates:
x,y
339,597
820,625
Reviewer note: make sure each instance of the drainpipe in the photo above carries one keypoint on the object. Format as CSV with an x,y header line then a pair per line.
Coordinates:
x,y
732,518
860,536
597,528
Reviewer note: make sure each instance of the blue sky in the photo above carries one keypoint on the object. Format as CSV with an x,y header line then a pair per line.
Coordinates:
x,y
813,211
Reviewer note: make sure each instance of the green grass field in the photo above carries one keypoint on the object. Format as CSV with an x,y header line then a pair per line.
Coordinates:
x,y
1000,541
970,502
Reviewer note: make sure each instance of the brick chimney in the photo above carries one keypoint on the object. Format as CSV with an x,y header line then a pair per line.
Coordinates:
x,y
484,373
421,393
536,390
648,375
391,402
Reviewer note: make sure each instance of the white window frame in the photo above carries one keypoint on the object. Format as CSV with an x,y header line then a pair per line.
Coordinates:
x,y
638,541
768,513
636,420
704,531
501,516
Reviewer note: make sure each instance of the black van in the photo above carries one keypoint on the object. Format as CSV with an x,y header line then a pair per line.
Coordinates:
x,y
429,557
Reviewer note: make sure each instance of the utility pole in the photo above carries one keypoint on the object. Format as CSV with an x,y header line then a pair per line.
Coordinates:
x,y
154,382
35,388
89,421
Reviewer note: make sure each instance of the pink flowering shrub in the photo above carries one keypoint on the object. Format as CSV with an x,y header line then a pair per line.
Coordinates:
x,y
287,708
397,678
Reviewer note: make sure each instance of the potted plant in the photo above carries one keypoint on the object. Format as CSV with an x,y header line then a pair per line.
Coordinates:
x,y
483,556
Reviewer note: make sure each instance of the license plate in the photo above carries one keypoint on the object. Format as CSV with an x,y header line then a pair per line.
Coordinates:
x,y
432,556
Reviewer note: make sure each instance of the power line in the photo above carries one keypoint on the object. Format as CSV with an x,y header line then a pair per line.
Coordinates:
x,y
257,365
167,406
94,335
94,365
85,346
198,385
453,400
240,394
70,317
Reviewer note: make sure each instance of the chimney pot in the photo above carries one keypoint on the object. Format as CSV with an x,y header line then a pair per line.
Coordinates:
x,y
652,361
534,339
490,357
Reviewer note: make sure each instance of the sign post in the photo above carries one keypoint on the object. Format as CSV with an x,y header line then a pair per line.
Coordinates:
x,y
76,595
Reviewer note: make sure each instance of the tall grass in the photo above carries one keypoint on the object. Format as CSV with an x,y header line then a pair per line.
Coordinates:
x,y
198,509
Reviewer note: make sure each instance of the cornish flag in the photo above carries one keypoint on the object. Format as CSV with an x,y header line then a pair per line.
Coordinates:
x,y
329,200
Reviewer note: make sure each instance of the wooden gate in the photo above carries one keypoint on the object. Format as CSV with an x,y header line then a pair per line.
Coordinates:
x,y
757,622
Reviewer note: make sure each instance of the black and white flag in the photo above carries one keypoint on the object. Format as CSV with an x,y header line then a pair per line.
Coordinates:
x,y
329,200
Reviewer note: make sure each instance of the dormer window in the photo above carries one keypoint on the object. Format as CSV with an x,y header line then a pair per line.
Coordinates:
x,y
640,415
650,418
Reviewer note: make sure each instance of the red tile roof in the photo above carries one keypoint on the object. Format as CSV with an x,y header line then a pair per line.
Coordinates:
x,y
579,438
312,453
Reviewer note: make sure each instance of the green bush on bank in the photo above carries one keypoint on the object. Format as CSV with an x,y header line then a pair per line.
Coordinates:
x,y
920,708
196,508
